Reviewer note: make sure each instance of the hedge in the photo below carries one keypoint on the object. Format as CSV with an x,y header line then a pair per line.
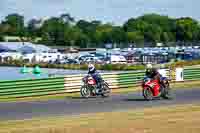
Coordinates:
x,y
115,67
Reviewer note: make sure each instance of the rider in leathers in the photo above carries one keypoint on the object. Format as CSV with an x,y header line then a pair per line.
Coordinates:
x,y
97,77
153,73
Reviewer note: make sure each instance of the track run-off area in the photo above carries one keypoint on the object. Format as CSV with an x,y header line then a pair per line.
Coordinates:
x,y
78,105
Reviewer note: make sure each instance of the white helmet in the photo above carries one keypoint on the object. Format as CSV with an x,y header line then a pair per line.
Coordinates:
x,y
91,67
149,66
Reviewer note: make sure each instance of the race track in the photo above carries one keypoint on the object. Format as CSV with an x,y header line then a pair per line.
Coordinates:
x,y
76,106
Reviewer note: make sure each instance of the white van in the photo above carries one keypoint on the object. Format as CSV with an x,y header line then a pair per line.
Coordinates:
x,y
118,59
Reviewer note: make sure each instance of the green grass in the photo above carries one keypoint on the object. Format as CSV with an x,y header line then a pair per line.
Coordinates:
x,y
170,119
181,85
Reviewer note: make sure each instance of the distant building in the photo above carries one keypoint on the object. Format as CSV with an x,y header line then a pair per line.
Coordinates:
x,y
25,47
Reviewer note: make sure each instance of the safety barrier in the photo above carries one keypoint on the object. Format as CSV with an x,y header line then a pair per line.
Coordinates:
x,y
35,87
115,80
72,83
191,74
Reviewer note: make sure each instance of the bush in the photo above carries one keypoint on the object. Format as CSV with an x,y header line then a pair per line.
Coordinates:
x,y
115,67
185,63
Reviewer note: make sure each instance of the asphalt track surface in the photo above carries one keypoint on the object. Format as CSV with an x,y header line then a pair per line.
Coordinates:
x,y
77,106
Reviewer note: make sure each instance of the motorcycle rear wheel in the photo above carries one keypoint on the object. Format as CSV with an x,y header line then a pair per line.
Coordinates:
x,y
106,90
166,92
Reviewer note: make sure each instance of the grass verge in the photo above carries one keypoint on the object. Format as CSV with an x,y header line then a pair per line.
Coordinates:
x,y
171,119
180,85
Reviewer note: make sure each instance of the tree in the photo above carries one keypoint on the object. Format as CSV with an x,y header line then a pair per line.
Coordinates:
x,y
54,30
15,25
91,30
119,35
135,37
64,30
67,18
129,25
155,28
33,28
103,34
187,29
164,37
82,41
135,25
83,25
1,35
75,37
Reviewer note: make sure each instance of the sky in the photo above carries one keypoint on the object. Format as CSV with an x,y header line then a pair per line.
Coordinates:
x,y
113,11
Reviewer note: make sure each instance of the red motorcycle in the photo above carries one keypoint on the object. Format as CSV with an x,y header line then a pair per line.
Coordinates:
x,y
152,88
89,88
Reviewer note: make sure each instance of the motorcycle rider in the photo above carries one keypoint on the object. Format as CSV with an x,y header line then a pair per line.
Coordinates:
x,y
153,73
97,77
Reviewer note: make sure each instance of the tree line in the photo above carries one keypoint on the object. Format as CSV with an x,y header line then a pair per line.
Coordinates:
x,y
64,30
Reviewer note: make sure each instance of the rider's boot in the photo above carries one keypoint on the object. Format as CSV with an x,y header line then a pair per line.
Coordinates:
x,y
98,88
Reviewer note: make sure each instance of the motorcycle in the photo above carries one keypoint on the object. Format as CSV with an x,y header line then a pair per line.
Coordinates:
x,y
89,88
152,88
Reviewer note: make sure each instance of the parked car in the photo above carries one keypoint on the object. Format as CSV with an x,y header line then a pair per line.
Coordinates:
x,y
72,61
